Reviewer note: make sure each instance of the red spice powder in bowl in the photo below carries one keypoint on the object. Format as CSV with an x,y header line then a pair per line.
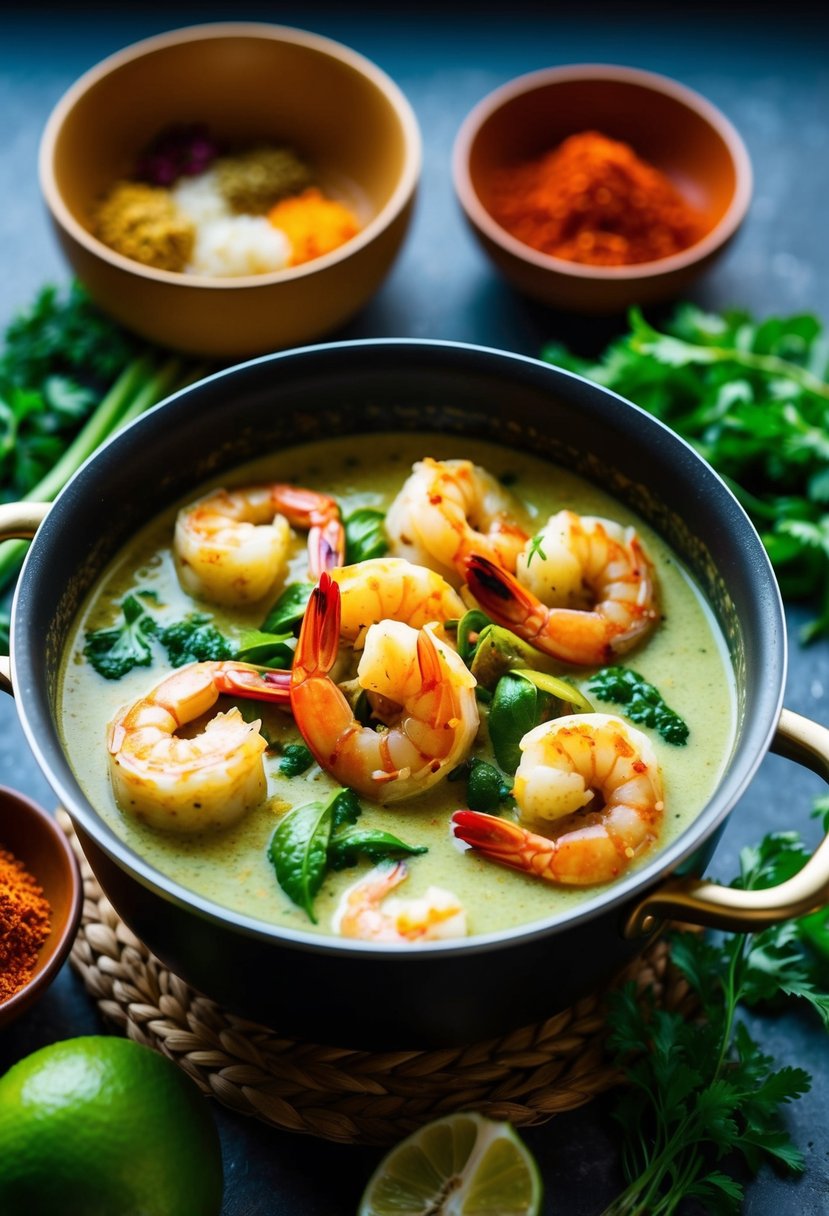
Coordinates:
x,y
593,200
40,901
596,187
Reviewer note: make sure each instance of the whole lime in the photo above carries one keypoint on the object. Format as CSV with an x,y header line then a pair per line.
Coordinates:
x,y
100,1126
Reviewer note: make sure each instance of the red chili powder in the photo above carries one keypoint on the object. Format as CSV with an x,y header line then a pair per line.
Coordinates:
x,y
593,200
24,924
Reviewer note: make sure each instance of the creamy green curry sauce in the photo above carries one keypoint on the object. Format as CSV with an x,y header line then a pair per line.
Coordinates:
x,y
684,657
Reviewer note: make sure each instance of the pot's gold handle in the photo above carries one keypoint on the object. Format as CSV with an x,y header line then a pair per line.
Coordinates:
x,y
701,902
18,521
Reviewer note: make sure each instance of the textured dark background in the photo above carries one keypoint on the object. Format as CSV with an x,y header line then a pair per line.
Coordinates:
x,y
767,67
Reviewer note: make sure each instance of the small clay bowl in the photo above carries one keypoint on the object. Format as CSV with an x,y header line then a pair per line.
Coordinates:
x,y
668,125
34,838
248,83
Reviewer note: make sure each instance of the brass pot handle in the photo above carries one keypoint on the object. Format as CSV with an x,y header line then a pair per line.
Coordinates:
x,y
18,521
702,902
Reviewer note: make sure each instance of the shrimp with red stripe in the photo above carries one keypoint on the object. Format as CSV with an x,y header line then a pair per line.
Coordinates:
x,y
422,692
175,769
590,800
583,591
232,546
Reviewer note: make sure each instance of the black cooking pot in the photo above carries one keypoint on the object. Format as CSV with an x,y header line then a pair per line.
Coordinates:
x,y
372,995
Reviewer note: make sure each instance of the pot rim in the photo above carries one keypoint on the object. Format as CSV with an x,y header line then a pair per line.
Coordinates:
x,y
605,900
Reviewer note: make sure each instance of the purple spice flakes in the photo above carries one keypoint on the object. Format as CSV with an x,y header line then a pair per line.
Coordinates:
x,y
181,150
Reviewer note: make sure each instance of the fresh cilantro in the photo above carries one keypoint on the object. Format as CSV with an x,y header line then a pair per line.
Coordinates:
x,y
701,1089
59,358
69,377
642,701
535,548
753,398
194,639
113,652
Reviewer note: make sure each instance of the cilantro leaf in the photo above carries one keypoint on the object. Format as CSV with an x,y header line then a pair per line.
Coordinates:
x,y
194,639
642,701
702,1090
753,398
113,652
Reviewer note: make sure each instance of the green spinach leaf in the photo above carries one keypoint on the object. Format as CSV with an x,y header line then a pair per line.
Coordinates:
x,y
287,613
347,848
365,535
296,759
298,851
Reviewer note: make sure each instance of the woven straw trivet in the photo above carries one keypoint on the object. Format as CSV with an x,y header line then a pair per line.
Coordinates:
x,y
354,1097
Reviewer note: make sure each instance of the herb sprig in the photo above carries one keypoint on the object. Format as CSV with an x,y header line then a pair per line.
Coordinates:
x,y
700,1090
317,837
642,701
69,378
753,398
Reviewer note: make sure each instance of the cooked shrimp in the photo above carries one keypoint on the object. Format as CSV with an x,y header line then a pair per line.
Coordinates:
x,y
576,557
366,913
431,713
391,588
188,784
590,798
448,509
231,547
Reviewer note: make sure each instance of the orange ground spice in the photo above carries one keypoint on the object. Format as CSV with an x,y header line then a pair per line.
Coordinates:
x,y
25,918
593,200
313,224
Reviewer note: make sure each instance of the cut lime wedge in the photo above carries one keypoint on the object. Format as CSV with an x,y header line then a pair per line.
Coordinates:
x,y
461,1165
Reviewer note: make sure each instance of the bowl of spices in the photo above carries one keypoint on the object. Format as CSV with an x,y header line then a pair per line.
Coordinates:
x,y
231,188
40,902
594,187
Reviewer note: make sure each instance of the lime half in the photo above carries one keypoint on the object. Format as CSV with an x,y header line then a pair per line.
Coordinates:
x,y
461,1165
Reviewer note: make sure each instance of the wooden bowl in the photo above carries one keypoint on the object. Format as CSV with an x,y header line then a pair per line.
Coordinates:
x,y
667,124
34,838
248,83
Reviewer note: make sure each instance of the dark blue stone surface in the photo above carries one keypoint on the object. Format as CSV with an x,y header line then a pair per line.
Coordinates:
x,y
768,69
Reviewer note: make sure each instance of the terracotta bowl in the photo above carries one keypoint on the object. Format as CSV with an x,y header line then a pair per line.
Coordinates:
x,y
666,124
34,838
248,83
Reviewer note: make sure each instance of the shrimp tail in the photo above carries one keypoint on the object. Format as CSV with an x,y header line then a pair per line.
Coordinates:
x,y
506,842
326,536
326,547
319,636
238,680
501,595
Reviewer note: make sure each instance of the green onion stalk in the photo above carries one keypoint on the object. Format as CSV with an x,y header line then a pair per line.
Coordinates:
x,y
142,383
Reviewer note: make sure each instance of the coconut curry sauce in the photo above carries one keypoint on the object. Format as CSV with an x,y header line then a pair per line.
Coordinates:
x,y
684,657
